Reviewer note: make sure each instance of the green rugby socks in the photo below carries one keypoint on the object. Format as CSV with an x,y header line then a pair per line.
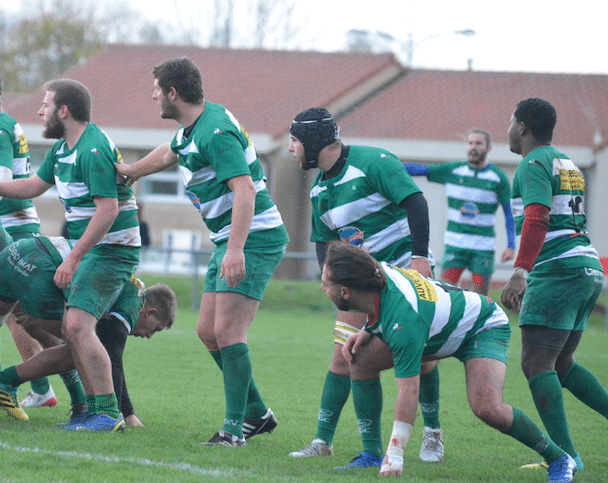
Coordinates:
x,y
335,394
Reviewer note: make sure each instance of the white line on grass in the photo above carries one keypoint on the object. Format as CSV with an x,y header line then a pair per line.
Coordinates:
x,y
115,459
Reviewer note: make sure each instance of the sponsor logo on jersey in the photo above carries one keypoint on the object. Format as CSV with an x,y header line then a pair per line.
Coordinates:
x,y
424,288
469,210
217,131
196,201
571,180
352,235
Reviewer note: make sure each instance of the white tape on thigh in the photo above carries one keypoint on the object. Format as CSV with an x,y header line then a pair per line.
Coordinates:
x,y
343,331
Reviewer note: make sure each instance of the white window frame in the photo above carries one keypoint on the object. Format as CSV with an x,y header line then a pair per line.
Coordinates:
x,y
169,175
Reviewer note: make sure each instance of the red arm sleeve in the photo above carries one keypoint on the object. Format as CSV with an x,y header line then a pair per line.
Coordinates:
x,y
533,232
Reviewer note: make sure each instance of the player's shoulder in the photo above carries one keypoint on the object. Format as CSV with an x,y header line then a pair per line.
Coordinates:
x,y
499,172
371,159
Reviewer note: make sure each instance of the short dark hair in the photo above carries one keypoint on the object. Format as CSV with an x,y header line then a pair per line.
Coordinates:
x,y
183,75
164,300
74,95
353,267
538,116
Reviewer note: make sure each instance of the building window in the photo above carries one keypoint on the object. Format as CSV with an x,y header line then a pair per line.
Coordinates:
x,y
164,187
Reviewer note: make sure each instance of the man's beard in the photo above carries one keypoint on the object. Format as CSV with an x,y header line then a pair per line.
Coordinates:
x,y
343,305
477,159
54,128
168,110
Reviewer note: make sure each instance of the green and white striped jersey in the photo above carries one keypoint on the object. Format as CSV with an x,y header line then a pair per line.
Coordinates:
x,y
473,198
547,177
15,155
85,171
418,316
361,205
217,149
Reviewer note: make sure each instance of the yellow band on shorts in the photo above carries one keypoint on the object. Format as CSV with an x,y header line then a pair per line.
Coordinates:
x,y
343,331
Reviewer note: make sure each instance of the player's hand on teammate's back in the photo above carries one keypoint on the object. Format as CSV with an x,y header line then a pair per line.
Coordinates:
x,y
123,174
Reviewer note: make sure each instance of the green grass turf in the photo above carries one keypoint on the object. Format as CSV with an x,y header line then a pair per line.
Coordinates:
x,y
177,393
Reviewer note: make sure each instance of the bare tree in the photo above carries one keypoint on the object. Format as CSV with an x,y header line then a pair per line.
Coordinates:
x,y
267,24
41,48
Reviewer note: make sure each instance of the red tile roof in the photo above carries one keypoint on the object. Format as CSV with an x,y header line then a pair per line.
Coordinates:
x,y
264,89
444,105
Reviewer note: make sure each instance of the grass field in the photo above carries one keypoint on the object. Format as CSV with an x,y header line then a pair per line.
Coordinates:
x,y
177,392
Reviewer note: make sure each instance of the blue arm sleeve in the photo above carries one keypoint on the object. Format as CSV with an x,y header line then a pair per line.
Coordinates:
x,y
415,169
509,225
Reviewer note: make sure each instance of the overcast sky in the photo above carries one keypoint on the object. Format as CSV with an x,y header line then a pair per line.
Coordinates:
x,y
512,35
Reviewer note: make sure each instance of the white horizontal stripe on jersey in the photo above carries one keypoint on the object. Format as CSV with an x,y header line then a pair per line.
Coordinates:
x,y
466,193
466,170
398,230
265,220
316,190
497,319
189,148
469,242
351,174
345,214
403,284
558,233
406,260
578,251
127,237
563,163
560,205
480,219
70,190
198,177
78,213
218,206
70,158
26,217
466,323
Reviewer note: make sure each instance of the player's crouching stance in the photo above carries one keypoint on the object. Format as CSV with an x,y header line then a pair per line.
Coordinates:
x,y
415,319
